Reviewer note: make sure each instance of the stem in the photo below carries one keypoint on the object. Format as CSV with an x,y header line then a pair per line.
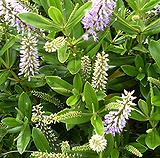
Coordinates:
x,y
4,63
101,155
15,76
119,33
16,151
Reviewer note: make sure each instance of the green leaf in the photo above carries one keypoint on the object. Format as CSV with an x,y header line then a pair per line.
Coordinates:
x,y
11,122
40,140
150,5
132,4
8,45
3,132
63,54
72,100
74,66
56,15
55,3
3,76
143,106
140,147
92,52
152,28
129,70
58,85
121,83
37,1
152,139
155,116
124,25
139,62
140,76
90,98
115,153
155,100
44,5
38,21
77,14
35,82
77,82
68,5
138,115
98,125
154,48
110,145
25,105
23,139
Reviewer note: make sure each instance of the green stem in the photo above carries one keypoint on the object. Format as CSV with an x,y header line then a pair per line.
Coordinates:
x,y
4,63
15,76
101,155
10,152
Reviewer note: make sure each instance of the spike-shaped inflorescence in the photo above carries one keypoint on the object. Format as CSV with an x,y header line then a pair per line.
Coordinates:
x,y
29,60
115,120
86,67
38,118
98,17
99,79
9,10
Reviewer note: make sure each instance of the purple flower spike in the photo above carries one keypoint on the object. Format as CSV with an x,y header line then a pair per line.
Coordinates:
x,y
115,121
98,17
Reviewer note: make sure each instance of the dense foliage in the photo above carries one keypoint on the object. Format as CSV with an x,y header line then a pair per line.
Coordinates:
x,y
79,79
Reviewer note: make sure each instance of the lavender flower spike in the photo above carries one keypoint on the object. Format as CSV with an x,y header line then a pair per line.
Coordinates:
x,y
98,17
9,10
29,61
115,121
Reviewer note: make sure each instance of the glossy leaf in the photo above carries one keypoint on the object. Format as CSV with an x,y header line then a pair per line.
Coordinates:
x,y
77,82
38,21
152,139
40,140
11,122
58,85
8,45
44,5
98,125
77,15
115,153
63,54
56,15
74,66
55,3
154,48
152,28
124,25
139,62
143,106
90,97
129,70
72,100
138,115
25,105
3,76
23,139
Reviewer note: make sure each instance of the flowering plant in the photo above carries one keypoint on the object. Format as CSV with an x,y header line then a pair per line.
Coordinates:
x,y
79,79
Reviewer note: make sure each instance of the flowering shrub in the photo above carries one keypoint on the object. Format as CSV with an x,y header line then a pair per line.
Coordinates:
x,y
79,79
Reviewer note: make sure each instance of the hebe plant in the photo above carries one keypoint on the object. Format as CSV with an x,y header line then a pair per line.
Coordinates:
x,y
79,79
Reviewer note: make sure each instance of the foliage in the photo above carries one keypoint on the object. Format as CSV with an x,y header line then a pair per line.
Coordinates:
x,y
77,81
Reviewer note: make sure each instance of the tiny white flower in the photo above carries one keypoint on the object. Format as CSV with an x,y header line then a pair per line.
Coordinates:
x,y
57,43
99,79
97,143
